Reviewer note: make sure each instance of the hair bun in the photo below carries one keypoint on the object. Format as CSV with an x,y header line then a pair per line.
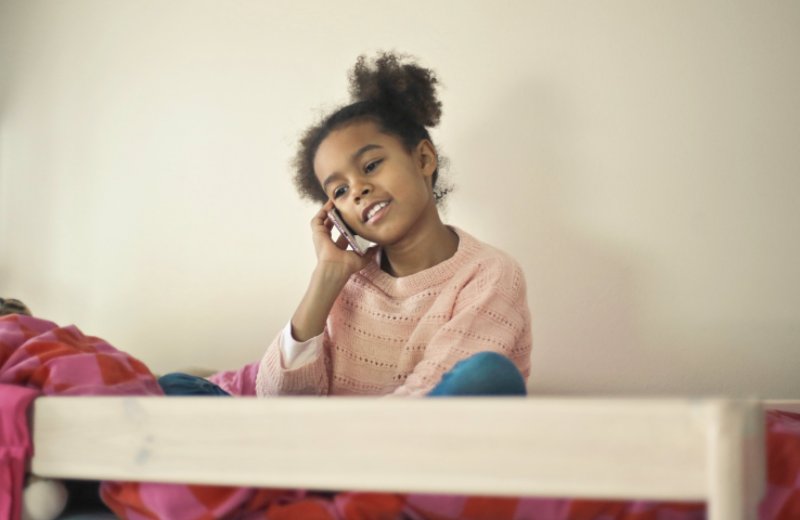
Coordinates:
x,y
403,88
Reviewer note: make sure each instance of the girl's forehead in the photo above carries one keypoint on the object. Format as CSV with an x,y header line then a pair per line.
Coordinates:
x,y
337,149
352,135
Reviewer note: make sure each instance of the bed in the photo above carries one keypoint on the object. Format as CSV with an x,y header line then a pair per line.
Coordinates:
x,y
121,428
708,450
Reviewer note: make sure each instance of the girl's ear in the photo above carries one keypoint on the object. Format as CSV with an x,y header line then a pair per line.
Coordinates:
x,y
426,157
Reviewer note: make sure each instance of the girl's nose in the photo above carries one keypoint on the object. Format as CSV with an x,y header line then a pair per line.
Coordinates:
x,y
364,191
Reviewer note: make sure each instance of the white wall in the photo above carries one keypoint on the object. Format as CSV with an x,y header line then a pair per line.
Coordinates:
x,y
640,159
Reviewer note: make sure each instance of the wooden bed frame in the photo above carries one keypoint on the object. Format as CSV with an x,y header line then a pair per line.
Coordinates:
x,y
662,449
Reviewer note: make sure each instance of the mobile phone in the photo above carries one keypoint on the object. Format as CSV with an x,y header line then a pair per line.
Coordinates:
x,y
345,230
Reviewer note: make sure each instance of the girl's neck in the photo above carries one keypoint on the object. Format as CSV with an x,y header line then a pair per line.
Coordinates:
x,y
420,249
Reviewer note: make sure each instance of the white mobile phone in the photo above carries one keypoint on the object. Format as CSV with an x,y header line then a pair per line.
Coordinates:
x,y
342,227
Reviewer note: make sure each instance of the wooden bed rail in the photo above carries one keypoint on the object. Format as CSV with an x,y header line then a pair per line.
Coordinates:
x,y
783,405
667,449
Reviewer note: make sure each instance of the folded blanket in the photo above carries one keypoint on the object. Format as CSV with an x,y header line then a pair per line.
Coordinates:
x,y
54,360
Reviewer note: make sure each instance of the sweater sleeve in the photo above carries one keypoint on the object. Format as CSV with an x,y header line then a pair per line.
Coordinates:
x,y
490,314
294,354
298,353
305,374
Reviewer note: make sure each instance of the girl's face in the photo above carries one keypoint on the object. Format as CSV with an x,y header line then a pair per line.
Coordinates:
x,y
382,191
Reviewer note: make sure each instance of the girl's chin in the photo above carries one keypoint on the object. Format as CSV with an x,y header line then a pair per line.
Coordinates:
x,y
385,240
390,232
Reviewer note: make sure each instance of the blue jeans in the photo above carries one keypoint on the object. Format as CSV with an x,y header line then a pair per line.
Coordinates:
x,y
178,383
482,374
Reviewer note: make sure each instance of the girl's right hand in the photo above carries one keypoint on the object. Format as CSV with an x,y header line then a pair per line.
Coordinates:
x,y
334,254
335,265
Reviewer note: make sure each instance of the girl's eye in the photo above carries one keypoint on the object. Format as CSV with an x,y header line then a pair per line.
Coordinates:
x,y
369,168
338,192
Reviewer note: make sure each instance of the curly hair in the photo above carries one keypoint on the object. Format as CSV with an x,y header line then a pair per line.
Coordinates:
x,y
399,97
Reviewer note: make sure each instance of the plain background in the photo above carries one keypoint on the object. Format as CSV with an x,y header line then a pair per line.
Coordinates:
x,y
640,159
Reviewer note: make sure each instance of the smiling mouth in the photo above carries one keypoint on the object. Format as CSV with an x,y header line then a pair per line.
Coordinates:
x,y
374,210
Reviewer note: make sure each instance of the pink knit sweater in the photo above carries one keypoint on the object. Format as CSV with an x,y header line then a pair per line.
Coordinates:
x,y
398,336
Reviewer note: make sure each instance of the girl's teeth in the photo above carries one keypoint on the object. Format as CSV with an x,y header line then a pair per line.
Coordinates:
x,y
375,209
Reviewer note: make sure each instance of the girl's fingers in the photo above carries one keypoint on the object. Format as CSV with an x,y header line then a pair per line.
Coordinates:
x,y
321,222
321,217
323,211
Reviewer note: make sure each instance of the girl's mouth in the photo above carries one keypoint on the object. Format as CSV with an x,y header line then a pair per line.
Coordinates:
x,y
375,212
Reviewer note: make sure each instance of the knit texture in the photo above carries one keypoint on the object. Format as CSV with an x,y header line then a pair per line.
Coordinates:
x,y
398,336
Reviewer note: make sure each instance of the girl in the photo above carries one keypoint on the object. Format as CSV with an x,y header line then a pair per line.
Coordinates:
x,y
428,310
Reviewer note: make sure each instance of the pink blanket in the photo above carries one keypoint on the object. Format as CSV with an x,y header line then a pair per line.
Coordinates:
x,y
15,446
52,360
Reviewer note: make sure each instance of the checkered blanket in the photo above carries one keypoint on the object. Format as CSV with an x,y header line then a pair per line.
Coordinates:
x,y
55,360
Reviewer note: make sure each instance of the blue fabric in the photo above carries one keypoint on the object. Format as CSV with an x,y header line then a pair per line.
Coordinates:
x,y
178,383
482,374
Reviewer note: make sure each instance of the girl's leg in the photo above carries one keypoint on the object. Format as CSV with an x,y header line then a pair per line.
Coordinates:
x,y
483,374
178,383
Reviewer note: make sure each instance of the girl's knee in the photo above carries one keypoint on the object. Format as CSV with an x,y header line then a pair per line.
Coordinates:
x,y
178,383
488,361
485,373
